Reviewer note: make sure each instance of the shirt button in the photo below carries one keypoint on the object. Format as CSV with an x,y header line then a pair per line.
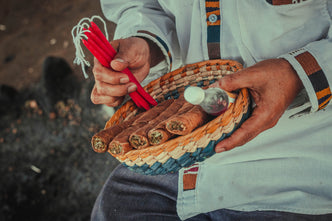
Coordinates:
x,y
213,18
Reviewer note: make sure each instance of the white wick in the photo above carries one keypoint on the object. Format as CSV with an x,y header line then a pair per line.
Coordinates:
x,y
78,34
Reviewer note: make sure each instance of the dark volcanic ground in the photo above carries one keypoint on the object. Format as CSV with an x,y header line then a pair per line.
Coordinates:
x,y
48,169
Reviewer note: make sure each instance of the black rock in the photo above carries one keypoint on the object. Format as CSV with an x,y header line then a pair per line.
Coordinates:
x,y
58,83
9,105
8,99
9,58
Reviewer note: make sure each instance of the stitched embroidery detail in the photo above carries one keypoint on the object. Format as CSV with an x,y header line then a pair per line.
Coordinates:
x,y
162,43
317,78
284,2
297,52
212,8
190,177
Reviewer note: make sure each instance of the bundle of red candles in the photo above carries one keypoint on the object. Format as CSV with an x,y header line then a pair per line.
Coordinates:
x,y
101,48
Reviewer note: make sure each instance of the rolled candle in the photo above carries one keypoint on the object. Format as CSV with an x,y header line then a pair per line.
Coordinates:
x,y
185,123
139,139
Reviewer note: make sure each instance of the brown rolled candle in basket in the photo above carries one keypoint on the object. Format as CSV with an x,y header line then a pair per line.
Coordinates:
x,y
120,143
101,140
159,134
185,123
139,138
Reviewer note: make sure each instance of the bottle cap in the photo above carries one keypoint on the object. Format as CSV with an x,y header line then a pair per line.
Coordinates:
x,y
194,95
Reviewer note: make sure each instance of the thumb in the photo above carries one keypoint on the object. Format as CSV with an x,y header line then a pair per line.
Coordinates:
x,y
238,80
120,60
118,63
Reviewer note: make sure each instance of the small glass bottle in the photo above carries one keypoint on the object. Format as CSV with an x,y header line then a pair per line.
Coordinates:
x,y
213,100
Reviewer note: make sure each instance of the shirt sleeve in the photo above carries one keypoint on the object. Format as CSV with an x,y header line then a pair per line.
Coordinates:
x,y
312,64
144,18
314,67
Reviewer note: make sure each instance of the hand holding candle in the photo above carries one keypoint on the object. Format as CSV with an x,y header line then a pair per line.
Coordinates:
x,y
111,84
139,60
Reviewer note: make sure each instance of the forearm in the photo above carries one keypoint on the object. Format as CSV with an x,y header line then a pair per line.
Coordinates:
x,y
148,20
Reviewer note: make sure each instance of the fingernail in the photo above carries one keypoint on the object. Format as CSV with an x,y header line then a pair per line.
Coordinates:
x,y
119,60
219,150
132,88
124,80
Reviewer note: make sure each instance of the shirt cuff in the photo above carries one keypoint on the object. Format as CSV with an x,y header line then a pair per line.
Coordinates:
x,y
312,77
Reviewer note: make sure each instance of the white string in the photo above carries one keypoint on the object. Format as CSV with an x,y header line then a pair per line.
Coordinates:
x,y
78,34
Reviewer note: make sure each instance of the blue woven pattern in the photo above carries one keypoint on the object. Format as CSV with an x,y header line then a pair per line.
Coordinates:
x,y
173,165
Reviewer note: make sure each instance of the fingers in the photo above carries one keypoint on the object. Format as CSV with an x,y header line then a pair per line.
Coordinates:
x,y
110,86
258,122
111,101
246,78
104,93
103,74
109,82
115,90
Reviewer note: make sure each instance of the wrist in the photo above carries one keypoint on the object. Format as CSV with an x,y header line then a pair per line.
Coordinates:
x,y
289,69
156,55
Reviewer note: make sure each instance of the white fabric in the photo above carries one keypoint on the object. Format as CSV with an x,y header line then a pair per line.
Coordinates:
x,y
286,168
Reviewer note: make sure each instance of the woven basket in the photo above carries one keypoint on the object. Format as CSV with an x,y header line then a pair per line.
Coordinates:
x,y
184,151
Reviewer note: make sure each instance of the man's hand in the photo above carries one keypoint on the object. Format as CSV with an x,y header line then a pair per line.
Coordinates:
x,y
110,84
273,85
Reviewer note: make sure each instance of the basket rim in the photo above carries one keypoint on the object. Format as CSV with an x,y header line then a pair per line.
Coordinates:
x,y
241,103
